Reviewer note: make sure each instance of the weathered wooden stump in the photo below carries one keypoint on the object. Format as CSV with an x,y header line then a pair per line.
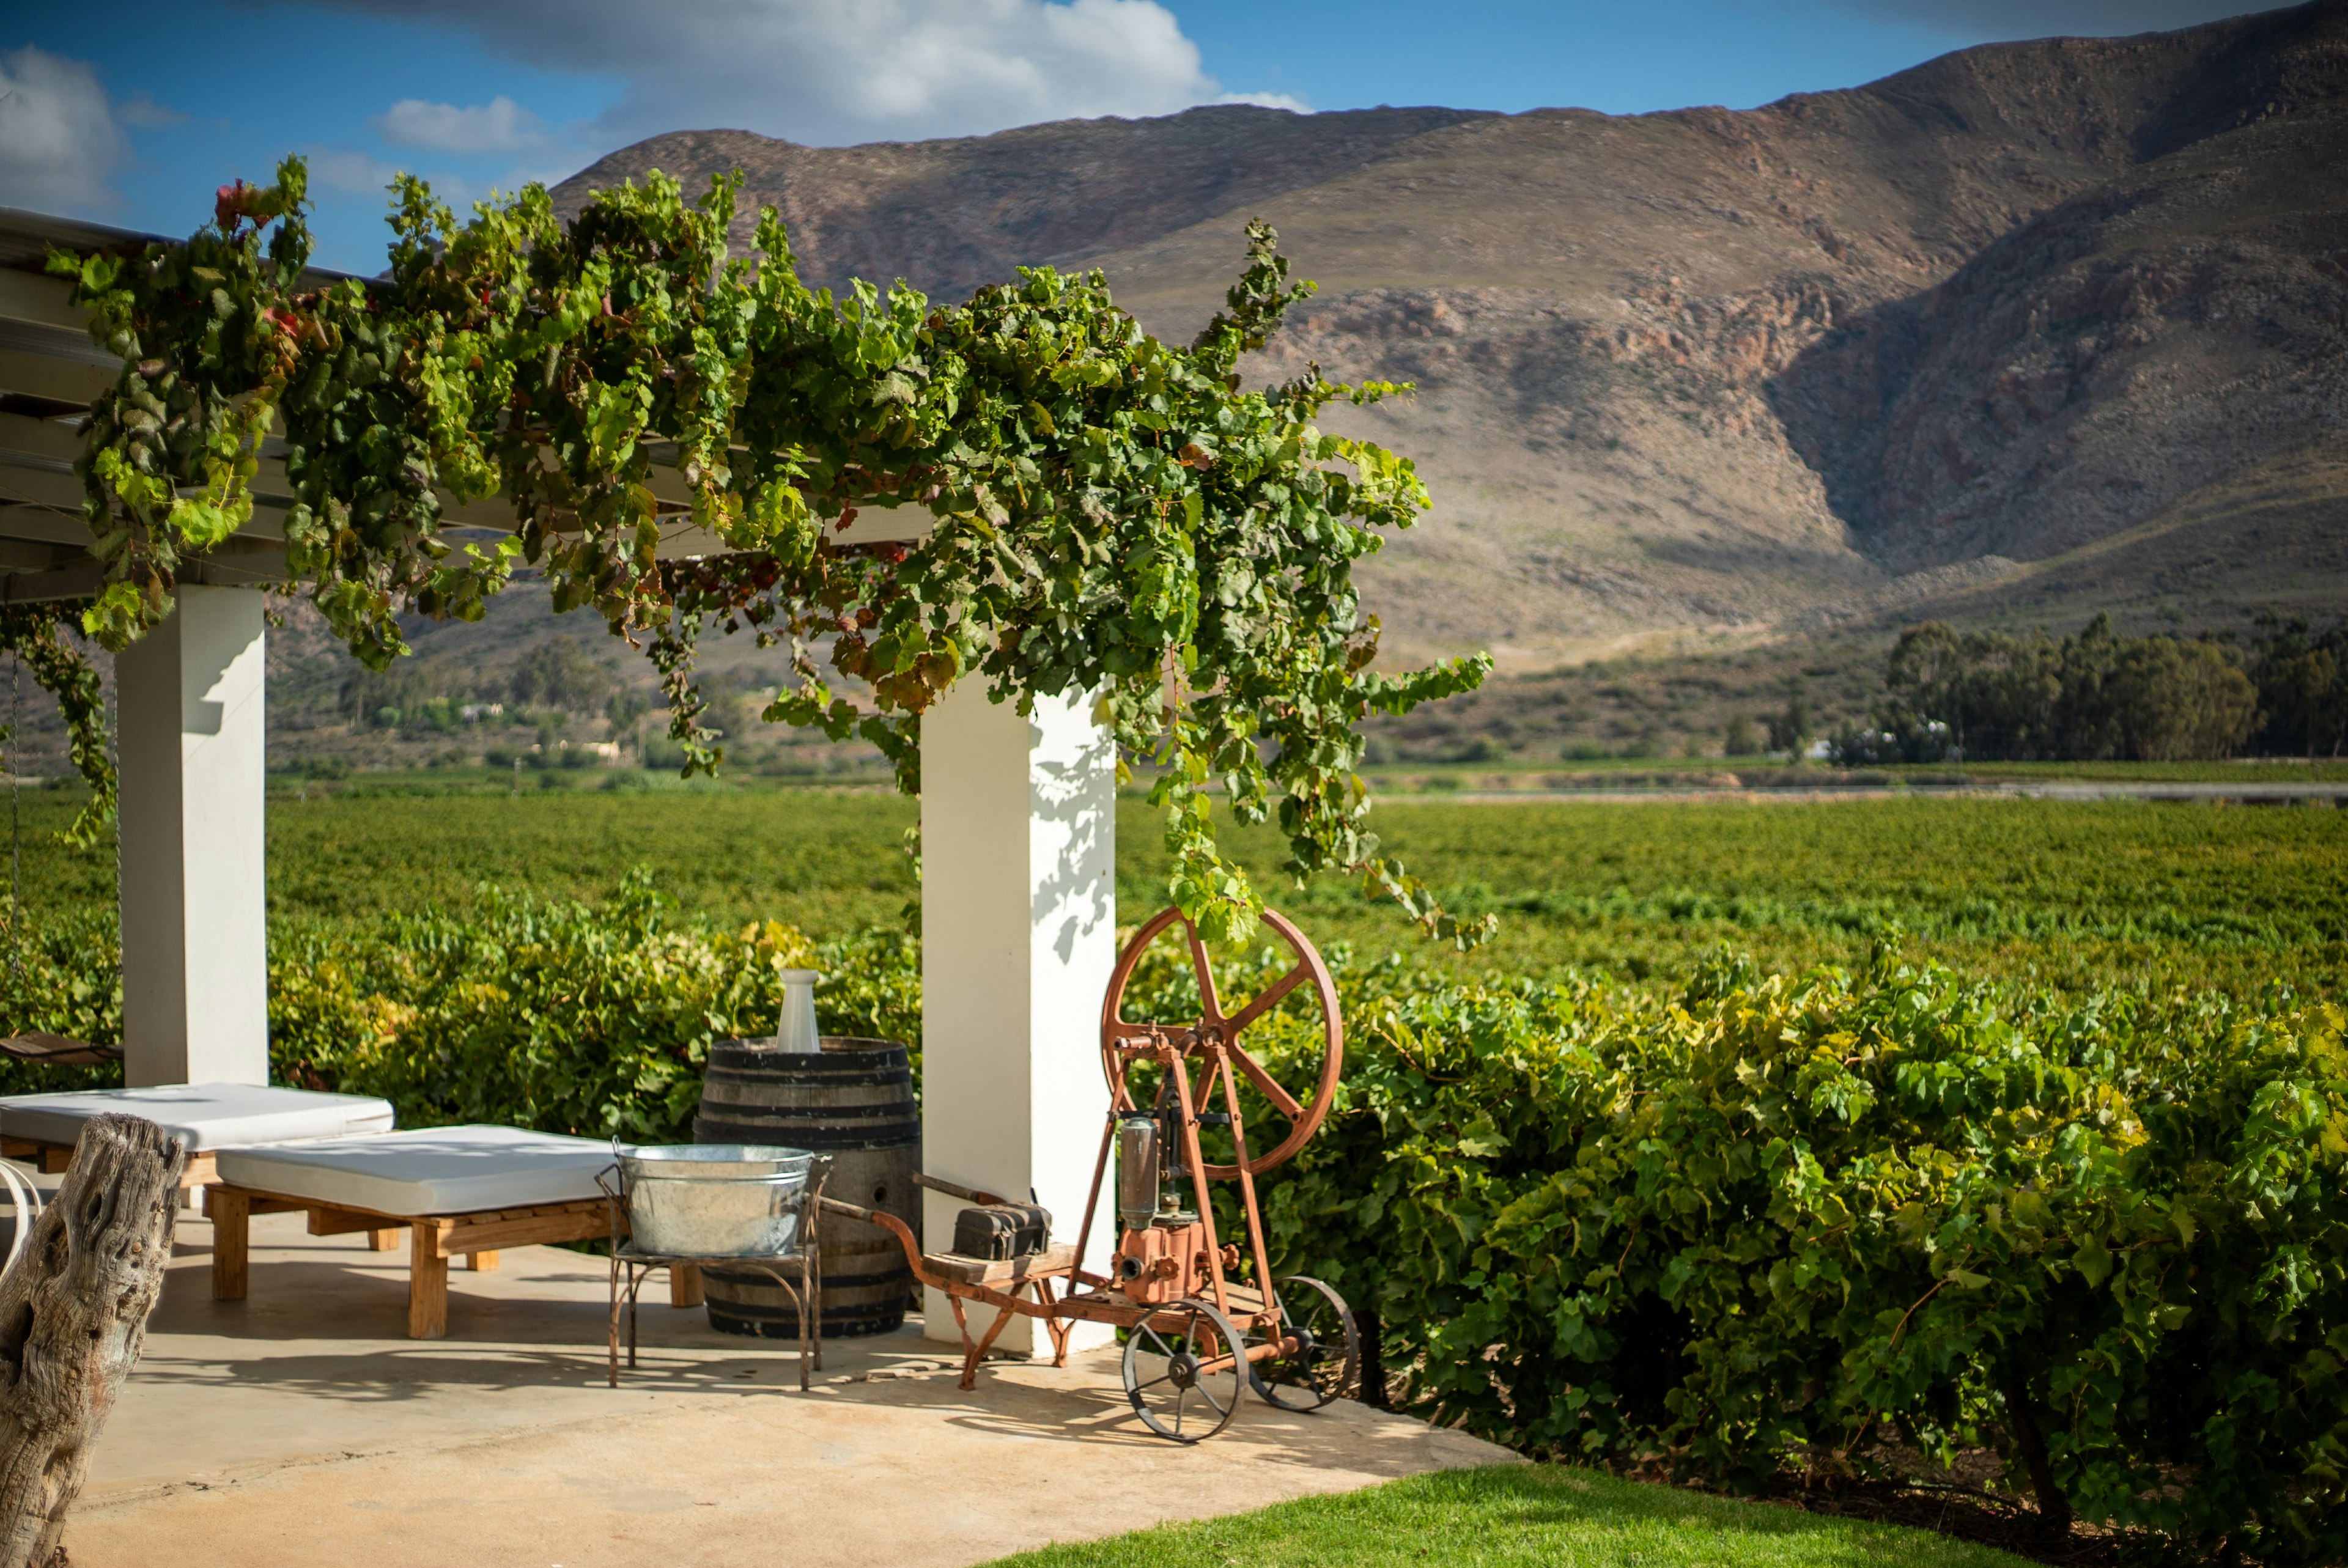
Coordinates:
x,y
73,1316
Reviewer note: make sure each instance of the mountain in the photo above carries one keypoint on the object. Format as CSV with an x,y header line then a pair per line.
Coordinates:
x,y
2027,331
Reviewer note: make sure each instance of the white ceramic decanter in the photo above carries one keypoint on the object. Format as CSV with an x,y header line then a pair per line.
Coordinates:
x,y
794,1030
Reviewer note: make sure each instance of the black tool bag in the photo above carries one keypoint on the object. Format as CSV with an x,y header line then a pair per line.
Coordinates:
x,y
1003,1230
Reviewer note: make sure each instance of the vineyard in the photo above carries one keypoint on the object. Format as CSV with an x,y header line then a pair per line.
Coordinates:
x,y
2073,1081
2074,895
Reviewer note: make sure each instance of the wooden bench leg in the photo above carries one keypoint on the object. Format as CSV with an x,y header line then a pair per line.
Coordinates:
x,y
383,1240
684,1285
232,1218
482,1262
427,1283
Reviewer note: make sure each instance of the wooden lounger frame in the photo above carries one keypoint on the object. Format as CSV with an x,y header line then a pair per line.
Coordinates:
x,y
53,1158
433,1240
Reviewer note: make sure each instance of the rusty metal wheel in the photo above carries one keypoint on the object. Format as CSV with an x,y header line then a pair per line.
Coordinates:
x,y
1122,1040
1183,1372
1328,1353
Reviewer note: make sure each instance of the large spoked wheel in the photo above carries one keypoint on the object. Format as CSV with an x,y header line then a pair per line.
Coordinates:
x,y
1328,1353
1183,1371
1123,1040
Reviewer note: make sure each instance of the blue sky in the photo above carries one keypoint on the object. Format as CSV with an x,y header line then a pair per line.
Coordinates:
x,y
135,118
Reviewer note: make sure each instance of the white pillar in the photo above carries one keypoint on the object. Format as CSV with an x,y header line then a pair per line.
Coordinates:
x,y
191,746
1018,937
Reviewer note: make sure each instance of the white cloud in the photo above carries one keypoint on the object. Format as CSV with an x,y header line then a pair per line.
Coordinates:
x,y
1267,101
339,169
500,125
59,145
144,112
834,71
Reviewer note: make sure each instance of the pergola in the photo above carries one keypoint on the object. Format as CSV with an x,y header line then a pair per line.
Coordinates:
x,y
1018,819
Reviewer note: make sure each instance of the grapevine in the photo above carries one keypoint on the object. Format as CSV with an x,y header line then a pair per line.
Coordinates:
x,y
32,633
1113,516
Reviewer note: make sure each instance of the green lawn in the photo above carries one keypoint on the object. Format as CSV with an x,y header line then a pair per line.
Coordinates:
x,y
2072,894
1527,1514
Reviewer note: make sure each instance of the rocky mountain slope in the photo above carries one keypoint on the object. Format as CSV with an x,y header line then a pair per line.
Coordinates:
x,y
2028,330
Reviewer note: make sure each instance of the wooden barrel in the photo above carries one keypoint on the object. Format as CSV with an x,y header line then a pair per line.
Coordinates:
x,y
854,1102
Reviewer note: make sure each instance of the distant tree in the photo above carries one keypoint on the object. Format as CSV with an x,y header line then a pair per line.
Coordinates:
x,y
1991,696
381,700
627,706
2302,681
2168,699
1739,738
556,673
1790,731
2308,696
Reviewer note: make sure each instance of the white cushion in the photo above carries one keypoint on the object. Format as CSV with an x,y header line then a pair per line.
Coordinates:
x,y
426,1170
205,1116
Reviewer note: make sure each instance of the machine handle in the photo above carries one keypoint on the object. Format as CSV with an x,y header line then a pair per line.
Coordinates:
x,y
956,1189
894,1226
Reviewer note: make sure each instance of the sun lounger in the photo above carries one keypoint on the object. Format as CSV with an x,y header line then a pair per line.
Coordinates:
x,y
461,1192
43,1049
206,1116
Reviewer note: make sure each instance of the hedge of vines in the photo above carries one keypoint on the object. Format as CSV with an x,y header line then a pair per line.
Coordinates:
x,y
1757,1226
591,1019
1113,516
1766,1223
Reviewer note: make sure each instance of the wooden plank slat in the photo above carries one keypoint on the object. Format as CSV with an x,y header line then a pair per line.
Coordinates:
x,y
433,1240
60,380
684,1285
584,1222
427,1285
45,525
40,487
39,438
1057,1258
202,1170
74,579
230,1212
38,297
342,1222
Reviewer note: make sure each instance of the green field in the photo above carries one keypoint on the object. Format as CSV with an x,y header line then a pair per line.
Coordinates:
x,y
1759,773
2070,894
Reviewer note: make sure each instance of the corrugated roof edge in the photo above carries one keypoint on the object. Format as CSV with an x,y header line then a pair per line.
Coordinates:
x,y
26,237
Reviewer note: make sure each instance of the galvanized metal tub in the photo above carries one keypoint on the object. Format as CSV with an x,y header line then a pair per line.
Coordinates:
x,y
715,1200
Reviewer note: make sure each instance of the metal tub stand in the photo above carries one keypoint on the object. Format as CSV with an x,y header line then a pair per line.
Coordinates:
x,y
631,1268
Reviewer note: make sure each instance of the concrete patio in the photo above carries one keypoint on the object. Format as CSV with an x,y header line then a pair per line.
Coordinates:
x,y
302,1426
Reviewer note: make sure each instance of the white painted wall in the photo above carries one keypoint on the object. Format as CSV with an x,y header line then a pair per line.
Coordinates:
x,y
1018,937
191,747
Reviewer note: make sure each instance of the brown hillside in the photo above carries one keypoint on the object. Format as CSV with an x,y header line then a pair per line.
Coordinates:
x,y
2033,327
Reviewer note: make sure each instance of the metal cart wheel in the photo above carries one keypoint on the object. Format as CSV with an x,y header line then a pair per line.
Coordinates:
x,y
1302,1114
1169,1376
1324,1364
